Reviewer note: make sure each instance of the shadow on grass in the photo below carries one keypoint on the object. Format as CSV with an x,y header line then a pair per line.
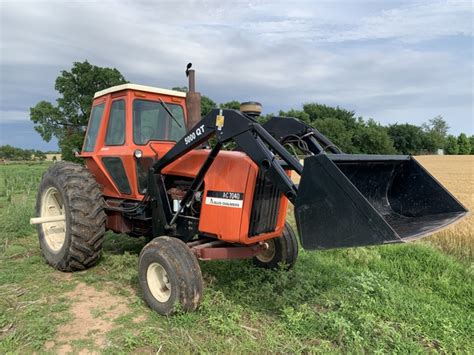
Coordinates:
x,y
118,244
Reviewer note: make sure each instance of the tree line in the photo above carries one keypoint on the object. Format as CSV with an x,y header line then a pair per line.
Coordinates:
x,y
67,120
7,152
355,135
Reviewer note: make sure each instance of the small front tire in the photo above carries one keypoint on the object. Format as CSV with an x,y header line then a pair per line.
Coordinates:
x,y
170,276
282,251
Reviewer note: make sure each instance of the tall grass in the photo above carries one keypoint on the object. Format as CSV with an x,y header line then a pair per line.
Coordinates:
x,y
18,189
23,180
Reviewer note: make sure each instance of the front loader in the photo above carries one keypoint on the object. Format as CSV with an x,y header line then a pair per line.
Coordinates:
x,y
155,168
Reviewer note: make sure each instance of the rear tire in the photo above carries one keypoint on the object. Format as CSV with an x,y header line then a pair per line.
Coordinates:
x,y
282,250
76,243
170,276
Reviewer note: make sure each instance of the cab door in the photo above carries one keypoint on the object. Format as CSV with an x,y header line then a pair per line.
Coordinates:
x,y
111,157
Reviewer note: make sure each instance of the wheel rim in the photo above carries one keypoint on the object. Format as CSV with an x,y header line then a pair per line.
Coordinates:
x,y
267,255
54,232
158,282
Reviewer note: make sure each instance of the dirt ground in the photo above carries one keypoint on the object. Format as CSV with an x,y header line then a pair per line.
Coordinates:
x,y
93,313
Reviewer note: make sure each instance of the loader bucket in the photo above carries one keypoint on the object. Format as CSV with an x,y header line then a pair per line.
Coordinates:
x,y
356,200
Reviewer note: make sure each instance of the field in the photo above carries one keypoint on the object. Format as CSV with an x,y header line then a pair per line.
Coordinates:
x,y
456,173
400,298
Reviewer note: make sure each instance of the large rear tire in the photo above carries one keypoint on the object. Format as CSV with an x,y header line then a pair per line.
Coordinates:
x,y
75,243
282,251
170,276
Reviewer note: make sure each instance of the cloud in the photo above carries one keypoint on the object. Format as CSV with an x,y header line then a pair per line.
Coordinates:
x,y
14,116
415,22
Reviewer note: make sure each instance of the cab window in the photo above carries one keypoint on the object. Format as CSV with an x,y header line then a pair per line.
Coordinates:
x,y
93,128
116,126
151,121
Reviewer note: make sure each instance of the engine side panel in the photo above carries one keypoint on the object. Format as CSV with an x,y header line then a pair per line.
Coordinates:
x,y
228,195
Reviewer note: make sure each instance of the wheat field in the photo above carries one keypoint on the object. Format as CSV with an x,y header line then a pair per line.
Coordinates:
x,y
456,173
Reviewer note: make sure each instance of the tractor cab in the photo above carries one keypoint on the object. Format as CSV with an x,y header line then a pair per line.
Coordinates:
x,y
131,126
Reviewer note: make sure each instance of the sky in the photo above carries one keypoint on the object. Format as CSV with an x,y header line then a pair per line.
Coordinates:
x,y
393,61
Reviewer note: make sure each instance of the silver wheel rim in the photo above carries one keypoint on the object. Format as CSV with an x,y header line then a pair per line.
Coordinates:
x,y
267,255
158,282
54,232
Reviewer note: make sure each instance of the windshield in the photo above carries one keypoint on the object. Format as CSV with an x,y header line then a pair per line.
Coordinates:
x,y
152,122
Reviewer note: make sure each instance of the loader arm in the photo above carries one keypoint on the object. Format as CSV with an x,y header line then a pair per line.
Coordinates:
x,y
250,136
289,130
342,200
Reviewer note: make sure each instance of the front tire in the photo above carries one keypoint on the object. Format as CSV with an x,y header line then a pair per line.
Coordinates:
x,y
70,190
282,251
170,276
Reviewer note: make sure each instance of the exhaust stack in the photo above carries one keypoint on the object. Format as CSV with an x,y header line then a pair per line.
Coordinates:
x,y
193,99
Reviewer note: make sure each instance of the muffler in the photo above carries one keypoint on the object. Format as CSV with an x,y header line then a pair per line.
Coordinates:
x,y
358,200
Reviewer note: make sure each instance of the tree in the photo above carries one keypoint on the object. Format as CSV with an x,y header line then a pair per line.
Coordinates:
x,y
435,134
464,144
39,155
336,123
233,105
68,119
180,88
335,130
407,138
451,147
471,140
317,111
301,115
372,138
207,104
8,152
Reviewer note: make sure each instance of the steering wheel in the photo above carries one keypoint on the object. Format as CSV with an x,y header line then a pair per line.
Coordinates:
x,y
146,133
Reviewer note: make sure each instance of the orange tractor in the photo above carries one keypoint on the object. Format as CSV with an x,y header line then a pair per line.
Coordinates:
x,y
149,170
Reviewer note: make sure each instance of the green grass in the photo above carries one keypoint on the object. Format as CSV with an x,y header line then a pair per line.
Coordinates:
x,y
398,298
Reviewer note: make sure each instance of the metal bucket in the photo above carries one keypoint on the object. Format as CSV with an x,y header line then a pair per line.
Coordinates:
x,y
356,200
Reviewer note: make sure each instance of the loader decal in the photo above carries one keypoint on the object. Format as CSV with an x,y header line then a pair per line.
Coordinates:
x,y
220,121
193,135
225,199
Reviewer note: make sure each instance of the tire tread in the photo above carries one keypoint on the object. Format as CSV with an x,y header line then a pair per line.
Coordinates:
x,y
86,215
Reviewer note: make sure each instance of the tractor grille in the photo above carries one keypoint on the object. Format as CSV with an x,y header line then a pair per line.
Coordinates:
x,y
266,203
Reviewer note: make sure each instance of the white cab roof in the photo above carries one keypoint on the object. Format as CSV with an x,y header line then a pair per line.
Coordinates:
x,y
139,88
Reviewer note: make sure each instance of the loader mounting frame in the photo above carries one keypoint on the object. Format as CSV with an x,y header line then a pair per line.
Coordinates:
x,y
225,126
